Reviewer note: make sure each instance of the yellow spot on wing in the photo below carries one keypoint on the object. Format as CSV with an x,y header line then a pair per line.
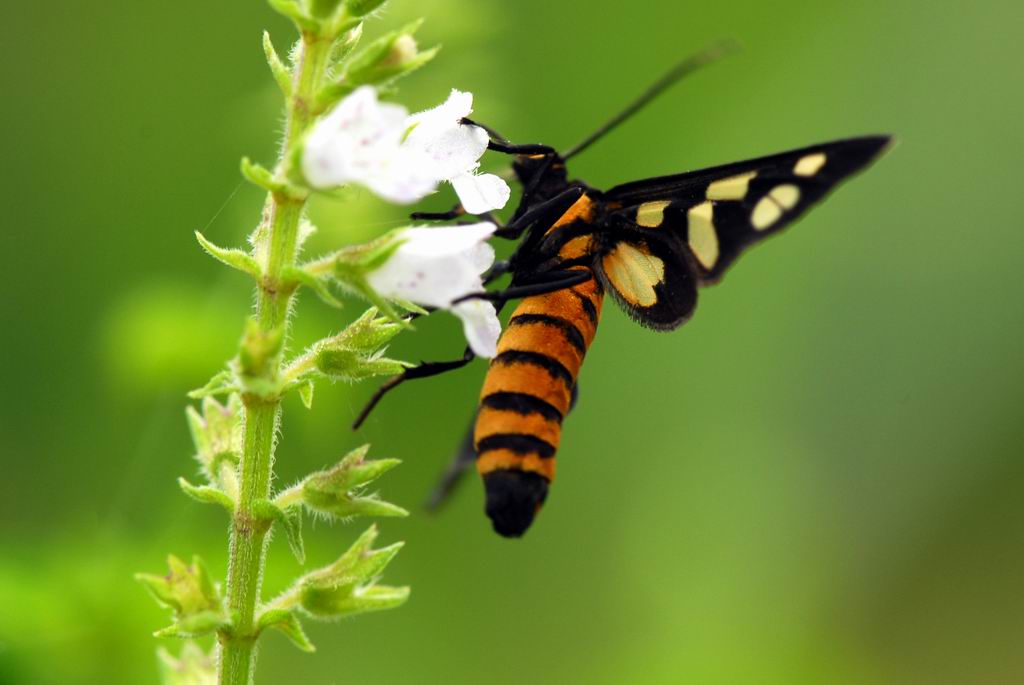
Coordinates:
x,y
633,272
786,195
809,165
651,214
766,213
701,234
732,188
771,207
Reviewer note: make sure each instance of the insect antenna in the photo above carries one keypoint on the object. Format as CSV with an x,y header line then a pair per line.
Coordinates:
x,y
683,68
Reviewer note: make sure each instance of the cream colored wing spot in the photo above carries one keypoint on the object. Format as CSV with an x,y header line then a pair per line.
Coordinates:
x,y
808,165
651,214
766,213
786,195
634,272
732,188
770,208
701,234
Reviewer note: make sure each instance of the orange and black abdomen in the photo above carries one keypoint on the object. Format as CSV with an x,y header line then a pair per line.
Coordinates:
x,y
526,395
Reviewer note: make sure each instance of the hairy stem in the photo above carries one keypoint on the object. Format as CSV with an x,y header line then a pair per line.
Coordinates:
x,y
248,546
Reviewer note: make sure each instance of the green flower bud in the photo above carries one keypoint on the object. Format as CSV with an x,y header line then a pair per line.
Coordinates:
x,y
354,354
190,593
390,57
338,491
346,587
217,434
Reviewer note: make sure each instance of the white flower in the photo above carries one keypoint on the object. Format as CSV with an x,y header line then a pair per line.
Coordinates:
x,y
453,149
400,157
435,266
360,141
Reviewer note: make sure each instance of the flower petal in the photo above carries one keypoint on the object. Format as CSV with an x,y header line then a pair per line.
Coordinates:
x,y
448,146
448,113
357,140
481,326
434,266
481,193
434,242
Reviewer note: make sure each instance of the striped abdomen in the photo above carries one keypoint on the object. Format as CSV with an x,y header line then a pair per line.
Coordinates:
x,y
526,394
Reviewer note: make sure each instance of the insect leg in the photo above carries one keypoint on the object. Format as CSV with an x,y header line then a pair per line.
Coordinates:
x,y
546,213
453,213
528,149
424,370
464,458
554,280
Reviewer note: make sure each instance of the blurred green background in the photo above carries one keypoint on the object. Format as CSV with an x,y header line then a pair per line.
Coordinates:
x,y
818,480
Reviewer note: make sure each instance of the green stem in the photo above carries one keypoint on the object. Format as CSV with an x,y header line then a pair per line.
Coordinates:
x,y
248,546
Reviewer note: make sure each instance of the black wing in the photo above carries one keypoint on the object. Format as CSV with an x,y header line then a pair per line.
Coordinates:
x,y
719,212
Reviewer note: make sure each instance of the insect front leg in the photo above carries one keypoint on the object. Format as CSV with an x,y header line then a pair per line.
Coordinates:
x,y
543,214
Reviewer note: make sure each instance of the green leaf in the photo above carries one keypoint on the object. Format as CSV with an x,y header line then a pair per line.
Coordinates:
x,y
323,9
292,524
222,383
235,258
207,495
294,11
306,394
288,623
259,175
359,8
262,177
282,74
290,519
318,285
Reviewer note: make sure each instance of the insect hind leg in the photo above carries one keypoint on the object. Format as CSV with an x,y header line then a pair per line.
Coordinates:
x,y
424,370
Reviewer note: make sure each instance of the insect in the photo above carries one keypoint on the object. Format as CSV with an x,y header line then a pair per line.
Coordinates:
x,y
649,244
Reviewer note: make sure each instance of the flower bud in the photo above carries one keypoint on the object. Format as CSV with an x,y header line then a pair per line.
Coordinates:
x,y
337,491
190,593
357,352
388,58
216,433
346,587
